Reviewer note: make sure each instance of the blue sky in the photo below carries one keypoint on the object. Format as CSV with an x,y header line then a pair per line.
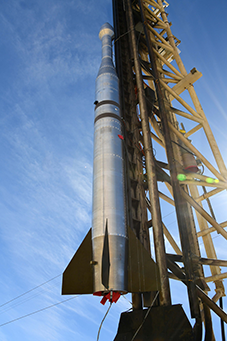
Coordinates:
x,y
50,55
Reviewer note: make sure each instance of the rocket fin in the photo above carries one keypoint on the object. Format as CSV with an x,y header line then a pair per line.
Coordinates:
x,y
78,276
143,273
106,259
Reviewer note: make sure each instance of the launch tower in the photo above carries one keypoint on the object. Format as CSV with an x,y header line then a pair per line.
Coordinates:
x,y
159,106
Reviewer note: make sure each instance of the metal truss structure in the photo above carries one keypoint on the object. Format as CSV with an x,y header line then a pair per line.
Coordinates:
x,y
160,106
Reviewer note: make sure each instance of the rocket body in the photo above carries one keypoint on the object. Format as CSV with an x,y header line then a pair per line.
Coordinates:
x,y
110,260
108,175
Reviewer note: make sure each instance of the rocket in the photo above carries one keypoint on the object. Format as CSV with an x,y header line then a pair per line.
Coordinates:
x,y
110,259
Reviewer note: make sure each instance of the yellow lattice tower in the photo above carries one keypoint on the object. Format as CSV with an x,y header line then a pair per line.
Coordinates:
x,y
182,103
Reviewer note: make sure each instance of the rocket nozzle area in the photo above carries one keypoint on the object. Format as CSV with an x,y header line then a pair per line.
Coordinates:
x,y
111,296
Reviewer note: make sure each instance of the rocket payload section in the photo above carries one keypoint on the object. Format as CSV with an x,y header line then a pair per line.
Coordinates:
x,y
110,259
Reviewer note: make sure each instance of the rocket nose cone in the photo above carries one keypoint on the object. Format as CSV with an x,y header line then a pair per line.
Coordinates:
x,y
106,29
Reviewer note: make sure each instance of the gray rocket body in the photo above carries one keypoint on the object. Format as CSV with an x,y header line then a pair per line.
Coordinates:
x,y
110,258
108,175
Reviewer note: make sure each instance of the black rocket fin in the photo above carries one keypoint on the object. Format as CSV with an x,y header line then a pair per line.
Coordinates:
x,y
78,276
143,273
106,259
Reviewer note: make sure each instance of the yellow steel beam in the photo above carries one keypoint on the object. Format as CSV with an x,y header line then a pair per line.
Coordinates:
x,y
186,82
210,229
193,130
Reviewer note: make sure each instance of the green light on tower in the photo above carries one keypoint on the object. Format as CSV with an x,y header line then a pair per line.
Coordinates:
x,y
209,180
181,177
